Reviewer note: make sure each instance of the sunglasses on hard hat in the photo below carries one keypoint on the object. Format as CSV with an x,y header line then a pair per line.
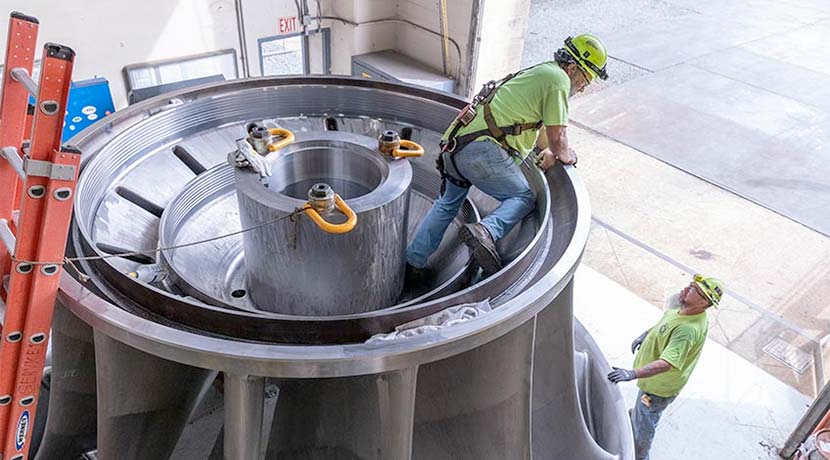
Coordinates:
x,y
699,290
585,74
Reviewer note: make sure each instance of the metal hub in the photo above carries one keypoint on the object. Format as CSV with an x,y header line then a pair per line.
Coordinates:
x,y
166,194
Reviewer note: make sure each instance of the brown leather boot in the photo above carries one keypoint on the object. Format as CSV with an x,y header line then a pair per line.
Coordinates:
x,y
479,240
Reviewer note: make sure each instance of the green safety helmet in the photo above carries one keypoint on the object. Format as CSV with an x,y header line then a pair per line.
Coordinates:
x,y
589,53
711,287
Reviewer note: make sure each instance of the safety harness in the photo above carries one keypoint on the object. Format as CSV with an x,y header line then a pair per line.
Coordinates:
x,y
455,143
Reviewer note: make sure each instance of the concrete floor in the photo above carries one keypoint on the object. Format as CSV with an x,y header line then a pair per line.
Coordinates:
x,y
707,150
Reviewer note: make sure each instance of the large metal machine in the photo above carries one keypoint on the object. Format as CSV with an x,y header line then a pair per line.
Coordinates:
x,y
272,300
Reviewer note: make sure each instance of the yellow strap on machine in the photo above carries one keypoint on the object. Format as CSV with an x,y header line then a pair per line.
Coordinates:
x,y
328,227
286,135
408,149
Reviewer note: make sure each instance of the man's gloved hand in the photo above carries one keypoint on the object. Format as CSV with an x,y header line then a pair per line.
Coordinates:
x,y
637,342
246,157
621,375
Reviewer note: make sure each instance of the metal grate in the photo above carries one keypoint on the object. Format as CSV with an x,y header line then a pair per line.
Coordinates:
x,y
788,354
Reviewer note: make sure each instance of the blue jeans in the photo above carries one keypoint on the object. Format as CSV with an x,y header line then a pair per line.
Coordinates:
x,y
493,171
644,421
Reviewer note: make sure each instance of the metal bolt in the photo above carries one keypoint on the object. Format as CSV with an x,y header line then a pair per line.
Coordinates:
x,y
321,197
27,401
49,270
389,136
388,141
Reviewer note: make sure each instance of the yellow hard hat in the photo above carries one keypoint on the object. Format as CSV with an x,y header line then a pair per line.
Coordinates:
x,y
711,287
589,53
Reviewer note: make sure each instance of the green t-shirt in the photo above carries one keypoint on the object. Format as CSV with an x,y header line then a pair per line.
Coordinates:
x,y
677,339
539,93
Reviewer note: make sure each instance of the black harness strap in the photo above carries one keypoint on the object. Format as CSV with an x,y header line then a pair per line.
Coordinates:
x,y
455,143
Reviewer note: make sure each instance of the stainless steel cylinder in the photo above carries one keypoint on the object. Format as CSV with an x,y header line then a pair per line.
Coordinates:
x,y
296,267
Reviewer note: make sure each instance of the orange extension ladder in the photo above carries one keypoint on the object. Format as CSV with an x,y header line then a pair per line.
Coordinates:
x,y
37,187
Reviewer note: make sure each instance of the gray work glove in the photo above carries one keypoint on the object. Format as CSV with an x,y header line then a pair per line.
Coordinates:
x,y
635,345
246,157
621,375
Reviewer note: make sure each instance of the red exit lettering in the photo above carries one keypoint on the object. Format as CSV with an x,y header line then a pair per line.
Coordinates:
x,y
288,24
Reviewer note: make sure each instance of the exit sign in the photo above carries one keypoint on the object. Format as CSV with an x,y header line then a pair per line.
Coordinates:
x,y
288,24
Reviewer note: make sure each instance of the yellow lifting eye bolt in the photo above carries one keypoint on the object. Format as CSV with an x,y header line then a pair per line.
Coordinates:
x,y
286,135
390,144
264,140
322,199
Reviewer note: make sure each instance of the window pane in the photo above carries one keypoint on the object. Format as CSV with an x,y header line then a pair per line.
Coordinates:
x,y
282,56
186,68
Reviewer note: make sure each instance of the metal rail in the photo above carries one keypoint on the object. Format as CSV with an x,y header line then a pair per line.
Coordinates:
x,y
7,236
21,75
11,155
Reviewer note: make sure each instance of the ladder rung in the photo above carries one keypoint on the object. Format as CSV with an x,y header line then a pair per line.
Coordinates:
x,y
22,75
10,154
7,236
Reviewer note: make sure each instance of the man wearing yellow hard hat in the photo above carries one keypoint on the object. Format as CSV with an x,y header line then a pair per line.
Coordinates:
x,y
666,356
484,145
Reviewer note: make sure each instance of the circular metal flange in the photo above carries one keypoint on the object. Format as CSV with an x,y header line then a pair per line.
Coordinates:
x,y
198,349
215,272
126,178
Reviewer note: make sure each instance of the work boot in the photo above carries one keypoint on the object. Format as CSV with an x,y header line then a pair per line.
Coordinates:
x,y
415,277
479,240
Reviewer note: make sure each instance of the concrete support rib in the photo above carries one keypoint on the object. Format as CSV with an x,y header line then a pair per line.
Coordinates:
x,y
142,397
367,417
244,403
476,405
559,430
71,422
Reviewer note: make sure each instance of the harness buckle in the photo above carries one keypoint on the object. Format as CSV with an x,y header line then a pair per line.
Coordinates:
x,y
451,145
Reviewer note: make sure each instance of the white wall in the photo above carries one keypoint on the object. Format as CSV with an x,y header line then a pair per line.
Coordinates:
x,y
108,35
427,47
503,27
349,40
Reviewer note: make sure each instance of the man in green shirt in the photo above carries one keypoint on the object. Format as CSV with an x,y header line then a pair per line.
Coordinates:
x,y
668,353
488,140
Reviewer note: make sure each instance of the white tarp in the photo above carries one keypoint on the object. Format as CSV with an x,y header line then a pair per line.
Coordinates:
x,y
444,318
